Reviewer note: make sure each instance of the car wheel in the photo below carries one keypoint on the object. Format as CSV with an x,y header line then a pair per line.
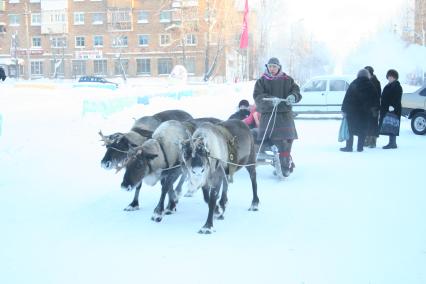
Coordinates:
x,y
418,123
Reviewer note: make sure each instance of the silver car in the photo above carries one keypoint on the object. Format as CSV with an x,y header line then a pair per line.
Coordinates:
x,y
414,107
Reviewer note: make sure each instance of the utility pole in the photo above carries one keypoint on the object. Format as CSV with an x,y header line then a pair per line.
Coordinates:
x,y
27,32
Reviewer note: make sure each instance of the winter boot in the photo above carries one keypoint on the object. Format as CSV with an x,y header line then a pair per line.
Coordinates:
x,y
392,143
360,144
372,143
349,144
287,164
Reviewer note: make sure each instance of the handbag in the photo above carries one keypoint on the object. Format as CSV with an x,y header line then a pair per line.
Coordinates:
x,y
390,124
344,130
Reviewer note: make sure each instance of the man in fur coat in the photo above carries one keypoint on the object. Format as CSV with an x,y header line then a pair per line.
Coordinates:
x,y
278,127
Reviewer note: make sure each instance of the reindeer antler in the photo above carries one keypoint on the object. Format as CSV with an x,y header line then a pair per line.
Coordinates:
x,y
106,139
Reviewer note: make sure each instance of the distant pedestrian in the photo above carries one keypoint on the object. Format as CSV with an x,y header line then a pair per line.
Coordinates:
x,y
243,110
390,101
373,120
356,108
2,74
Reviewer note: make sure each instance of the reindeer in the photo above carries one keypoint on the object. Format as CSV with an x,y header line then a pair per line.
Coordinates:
x,y
214,153
119,144
158,159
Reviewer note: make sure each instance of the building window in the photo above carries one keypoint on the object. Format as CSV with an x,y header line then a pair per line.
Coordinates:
x,y
120,41
79,67
98,41
191,39
100,67
121,20
143,66
34,1
164,39
165,16
164,66
189,64
57,68
79,41
14,20
58,42
36,41
97,18
121,64
56,18
36,19
13,1
78,18
143,40
143,17
36,68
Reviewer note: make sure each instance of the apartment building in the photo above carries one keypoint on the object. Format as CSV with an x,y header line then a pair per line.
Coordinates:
x,y
130,38
420,22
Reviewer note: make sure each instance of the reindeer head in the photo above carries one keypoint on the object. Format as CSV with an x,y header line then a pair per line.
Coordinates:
x,y
195,155
117,146
139,166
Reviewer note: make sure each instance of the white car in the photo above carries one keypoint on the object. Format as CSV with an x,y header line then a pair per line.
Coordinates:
x,y
323,94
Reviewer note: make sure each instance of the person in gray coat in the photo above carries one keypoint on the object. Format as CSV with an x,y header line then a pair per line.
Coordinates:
x,y
277,128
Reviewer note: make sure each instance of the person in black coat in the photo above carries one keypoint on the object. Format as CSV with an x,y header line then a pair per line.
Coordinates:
x,y
356,107
390,101
2,74
243,110
373,120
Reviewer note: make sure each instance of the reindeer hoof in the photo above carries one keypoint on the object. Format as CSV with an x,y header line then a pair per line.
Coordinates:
x,y
157,217
131,208
206,231
170,211
254,207
220,217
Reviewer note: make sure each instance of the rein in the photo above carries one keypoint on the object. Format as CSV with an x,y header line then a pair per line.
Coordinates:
x,y
274,114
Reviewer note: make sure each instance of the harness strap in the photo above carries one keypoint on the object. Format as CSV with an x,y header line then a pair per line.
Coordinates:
x,y
164,154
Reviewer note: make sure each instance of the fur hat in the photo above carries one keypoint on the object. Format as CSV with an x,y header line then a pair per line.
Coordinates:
x,y
363,73
370,69
243,103
392,73
274,60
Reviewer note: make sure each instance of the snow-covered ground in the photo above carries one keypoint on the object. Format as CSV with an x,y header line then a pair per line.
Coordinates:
x,y
340,218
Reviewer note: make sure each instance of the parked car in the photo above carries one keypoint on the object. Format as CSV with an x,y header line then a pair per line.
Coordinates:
x,y
323,94
95,82
414,107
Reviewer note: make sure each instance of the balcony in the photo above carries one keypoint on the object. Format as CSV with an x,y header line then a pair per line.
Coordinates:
x,y
184,3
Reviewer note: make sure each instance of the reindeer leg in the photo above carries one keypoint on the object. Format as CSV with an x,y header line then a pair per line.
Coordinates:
x,y
173,197
134,205
184,175
206,194
157,216
214,193
255,201
220,209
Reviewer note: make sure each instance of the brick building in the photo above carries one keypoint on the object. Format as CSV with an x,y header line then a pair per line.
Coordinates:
x,y
70,38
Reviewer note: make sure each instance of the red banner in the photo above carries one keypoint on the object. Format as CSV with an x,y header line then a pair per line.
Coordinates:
x,y
244,35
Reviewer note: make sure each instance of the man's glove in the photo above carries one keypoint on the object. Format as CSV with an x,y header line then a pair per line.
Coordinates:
x,y
391,108
291,99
